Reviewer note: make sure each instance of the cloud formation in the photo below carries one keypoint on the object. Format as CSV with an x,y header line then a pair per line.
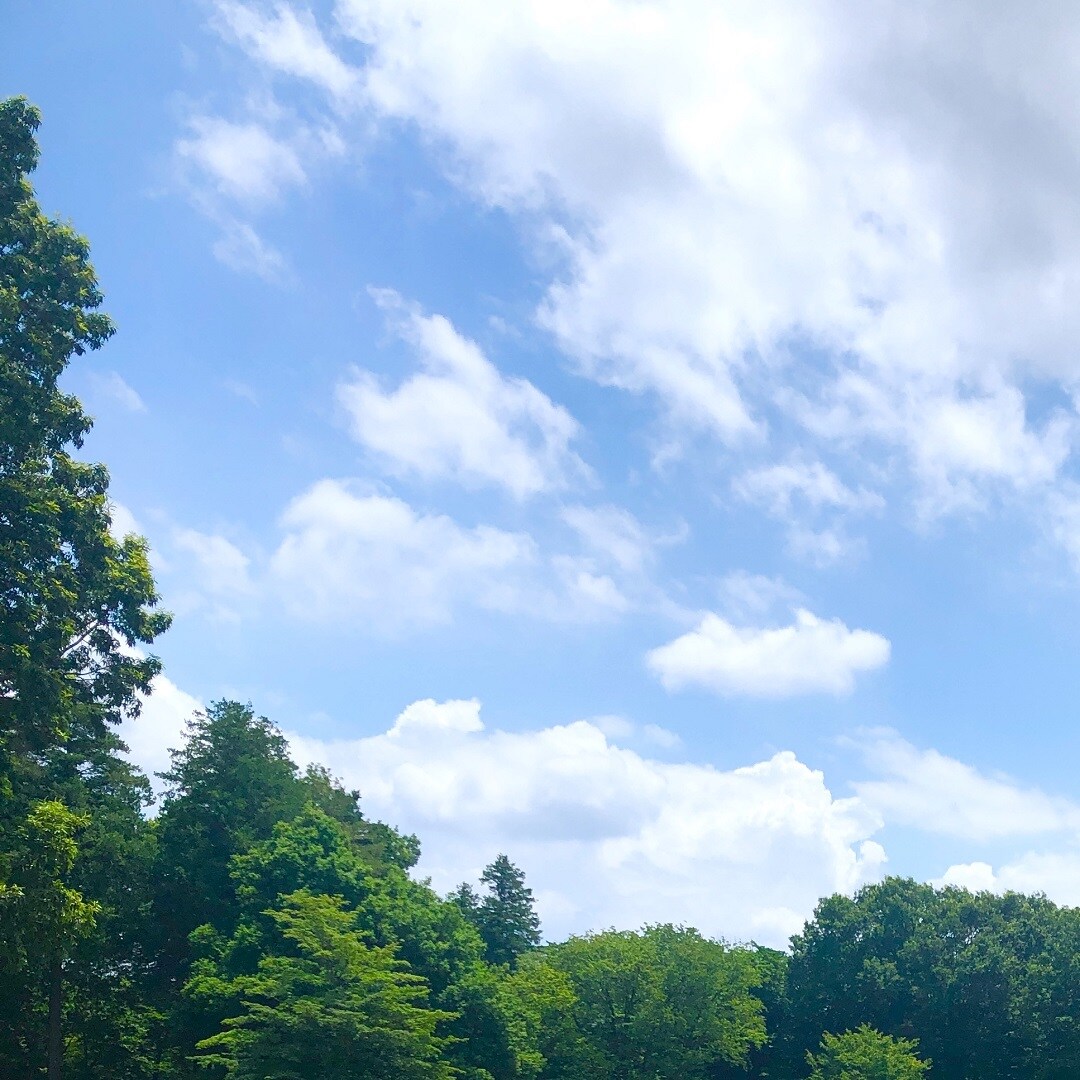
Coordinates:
x,y
766,212
811,655
940,794
460,417
608,836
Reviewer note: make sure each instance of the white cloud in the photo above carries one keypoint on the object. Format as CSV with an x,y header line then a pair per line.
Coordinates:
x,y
605,835
1055,873
777,486
159,727
353,556
461,417
613,534
939,794
811,655
289,41
241,248
243,160
752,196
798,489
112,384
371,557
221,568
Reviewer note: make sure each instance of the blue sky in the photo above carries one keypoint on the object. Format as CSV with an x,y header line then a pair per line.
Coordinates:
x,y
639,437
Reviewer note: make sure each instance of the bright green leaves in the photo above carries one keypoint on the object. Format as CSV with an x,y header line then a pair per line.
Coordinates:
x,y
663,1004
866,1054
41,909
74,601
325,1002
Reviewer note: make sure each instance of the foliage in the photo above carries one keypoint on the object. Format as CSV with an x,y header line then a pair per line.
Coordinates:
x,y
659,1004
866,1054
74,600
326,1003
505,914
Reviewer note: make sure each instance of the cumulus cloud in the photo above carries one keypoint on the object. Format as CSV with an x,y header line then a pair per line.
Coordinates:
x,y
159,727
809,656
1055,873
460,417
855,217
940,794
606,835
351,553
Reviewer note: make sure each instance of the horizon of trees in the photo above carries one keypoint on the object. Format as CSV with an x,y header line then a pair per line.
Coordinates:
x,y
260,925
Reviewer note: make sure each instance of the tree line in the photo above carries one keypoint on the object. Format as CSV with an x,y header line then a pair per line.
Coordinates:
x,y
254,923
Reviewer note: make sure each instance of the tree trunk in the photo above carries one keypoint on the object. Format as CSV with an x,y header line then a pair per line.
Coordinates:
x,y
56,1041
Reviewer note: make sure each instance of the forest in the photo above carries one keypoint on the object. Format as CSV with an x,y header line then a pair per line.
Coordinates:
x,y
253,923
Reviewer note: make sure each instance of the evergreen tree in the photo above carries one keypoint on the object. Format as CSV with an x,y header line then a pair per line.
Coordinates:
x,y
506,916
228,786
326,1003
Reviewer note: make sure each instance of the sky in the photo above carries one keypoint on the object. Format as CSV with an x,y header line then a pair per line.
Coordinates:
x,y
638,437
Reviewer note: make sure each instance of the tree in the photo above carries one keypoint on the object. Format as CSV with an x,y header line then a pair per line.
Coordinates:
x,y
74,601
43,916
866,1054
664,1004
228,786
987,984
505,915
327,1003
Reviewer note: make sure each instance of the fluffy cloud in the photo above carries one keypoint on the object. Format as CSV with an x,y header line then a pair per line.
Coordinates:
x,y
371,556
1057,874
939,794
460,417
756,197
811,655
159,727
607,836
243,160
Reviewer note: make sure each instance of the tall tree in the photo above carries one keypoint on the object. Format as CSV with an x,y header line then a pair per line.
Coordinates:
x,y
230,783
505,914
74,600
75,605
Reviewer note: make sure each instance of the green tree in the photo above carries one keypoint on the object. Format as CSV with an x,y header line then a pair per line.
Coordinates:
x,y
866,1054
663,1004
327,1003
987,984
505,914
74,601
229,785
41,913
